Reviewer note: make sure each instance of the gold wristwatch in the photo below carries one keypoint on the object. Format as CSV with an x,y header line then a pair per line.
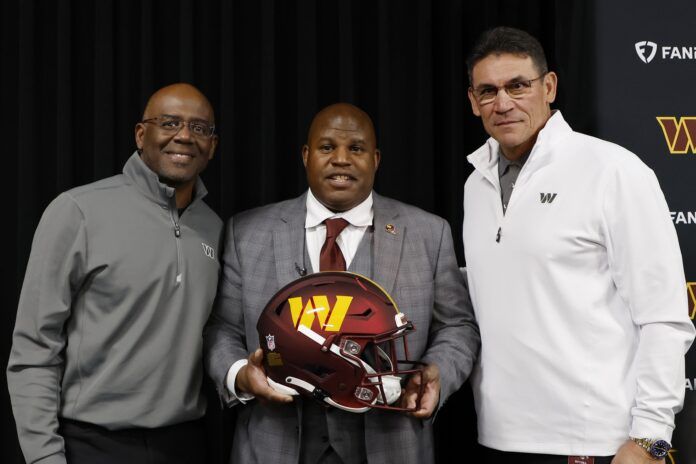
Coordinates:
x,y
656,448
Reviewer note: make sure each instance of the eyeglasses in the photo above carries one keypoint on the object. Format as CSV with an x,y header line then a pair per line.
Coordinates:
x,y
517,89
168,124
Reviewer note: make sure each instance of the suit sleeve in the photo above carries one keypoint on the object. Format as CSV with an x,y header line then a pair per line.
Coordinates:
x,y
646,266
54,274
224,338
454,338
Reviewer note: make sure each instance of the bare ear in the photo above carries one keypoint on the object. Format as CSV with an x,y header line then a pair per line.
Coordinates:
x,y
550,86
139,135
213,146
474,103
305,154
378,158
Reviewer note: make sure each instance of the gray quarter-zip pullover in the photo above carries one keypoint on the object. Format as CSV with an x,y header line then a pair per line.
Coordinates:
x,y
110,319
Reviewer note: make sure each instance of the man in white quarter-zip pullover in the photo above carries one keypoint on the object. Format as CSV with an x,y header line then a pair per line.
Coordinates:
x,y
575,274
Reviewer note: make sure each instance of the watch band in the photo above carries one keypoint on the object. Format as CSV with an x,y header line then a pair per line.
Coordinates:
x,y
656,448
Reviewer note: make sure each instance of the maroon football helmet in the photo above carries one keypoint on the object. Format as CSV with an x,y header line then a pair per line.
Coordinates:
x,y
333,336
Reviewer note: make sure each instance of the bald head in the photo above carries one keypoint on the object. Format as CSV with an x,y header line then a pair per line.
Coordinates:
x,y
343,116
180,91
341,156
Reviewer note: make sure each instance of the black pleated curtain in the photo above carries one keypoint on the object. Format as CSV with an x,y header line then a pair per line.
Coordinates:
x,y
75,76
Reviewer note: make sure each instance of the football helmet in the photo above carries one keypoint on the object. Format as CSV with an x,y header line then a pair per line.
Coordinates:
x,y
334,336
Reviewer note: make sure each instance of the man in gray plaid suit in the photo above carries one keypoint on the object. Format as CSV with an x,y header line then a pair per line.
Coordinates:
x,y
407,251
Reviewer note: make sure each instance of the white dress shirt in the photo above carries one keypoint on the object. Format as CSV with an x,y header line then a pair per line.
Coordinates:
x,y
359,219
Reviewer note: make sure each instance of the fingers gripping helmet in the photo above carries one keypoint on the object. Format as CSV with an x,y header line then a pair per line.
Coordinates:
x,y
333,336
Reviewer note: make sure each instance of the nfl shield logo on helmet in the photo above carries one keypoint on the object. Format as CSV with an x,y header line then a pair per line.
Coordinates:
x,y
270,342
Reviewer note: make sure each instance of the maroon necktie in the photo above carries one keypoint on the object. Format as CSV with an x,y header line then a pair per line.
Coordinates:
x,y
331,258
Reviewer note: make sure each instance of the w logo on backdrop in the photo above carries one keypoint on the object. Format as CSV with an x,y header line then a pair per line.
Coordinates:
x,y
691,290
646,50
317,307
679,135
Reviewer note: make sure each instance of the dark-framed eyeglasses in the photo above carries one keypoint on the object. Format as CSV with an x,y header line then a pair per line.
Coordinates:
x,y
199,129
516,89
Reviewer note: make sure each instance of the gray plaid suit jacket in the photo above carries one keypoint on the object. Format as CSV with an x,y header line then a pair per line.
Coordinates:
x,y
416,265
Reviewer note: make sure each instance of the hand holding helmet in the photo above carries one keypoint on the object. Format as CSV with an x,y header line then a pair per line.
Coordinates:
x,y
252,379
427,385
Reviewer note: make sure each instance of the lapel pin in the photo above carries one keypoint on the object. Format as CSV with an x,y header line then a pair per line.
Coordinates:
x,y
390,228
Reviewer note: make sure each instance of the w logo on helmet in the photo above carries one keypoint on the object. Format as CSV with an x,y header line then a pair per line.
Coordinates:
x,y
317,307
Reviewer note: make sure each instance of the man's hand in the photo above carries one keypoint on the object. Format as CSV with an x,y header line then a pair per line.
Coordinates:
x,y
431,392
631,453
252,379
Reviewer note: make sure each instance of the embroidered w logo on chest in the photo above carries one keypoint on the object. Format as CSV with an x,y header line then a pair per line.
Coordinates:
x,y
208,250
547,197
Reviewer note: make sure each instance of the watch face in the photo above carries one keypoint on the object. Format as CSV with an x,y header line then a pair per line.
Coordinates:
x,y
660,448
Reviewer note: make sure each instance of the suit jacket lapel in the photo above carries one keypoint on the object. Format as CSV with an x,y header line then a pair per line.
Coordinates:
x,y
389,235
288,241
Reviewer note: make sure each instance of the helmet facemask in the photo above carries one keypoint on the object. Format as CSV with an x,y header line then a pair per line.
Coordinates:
x,y
380,360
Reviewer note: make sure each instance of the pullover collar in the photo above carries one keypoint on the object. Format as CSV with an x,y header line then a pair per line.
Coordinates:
x,y
485,159
148,183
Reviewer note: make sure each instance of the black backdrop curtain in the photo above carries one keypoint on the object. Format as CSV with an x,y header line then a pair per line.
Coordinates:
x,y
75,76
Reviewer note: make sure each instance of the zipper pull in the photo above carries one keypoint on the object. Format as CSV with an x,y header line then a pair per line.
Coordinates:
x,y
177,230
497,236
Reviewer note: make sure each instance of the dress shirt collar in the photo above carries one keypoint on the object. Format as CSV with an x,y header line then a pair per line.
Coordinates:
x,y
359,216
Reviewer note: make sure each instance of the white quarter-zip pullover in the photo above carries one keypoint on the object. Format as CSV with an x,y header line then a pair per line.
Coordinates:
x,y
579,292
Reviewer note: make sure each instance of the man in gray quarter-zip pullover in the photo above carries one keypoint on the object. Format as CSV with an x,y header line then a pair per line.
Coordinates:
x,y
106,356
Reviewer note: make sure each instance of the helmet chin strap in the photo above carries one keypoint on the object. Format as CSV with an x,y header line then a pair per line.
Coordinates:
x,y
345,408
280,388
310,389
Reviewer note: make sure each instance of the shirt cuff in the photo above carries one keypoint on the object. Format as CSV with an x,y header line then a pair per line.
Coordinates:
x,y
232,377
643,427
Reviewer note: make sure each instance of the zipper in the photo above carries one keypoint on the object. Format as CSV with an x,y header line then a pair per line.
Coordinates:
x,y
499,234
501,211
177,238
493,179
